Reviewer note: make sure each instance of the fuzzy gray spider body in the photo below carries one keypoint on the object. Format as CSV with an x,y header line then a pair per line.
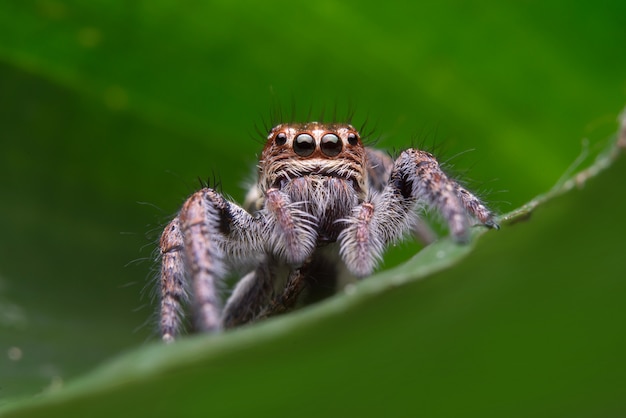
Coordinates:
x,y
321,214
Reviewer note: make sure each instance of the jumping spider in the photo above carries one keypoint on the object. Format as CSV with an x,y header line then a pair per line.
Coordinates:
x,y
321,214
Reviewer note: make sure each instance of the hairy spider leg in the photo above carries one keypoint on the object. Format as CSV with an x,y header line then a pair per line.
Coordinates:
x,y
192,250
379,166
173,284
250,295
296,281
415,180
208,235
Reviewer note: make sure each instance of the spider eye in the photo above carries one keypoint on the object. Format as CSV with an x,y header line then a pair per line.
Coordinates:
x,y
304,145
331,145
280,139
352,139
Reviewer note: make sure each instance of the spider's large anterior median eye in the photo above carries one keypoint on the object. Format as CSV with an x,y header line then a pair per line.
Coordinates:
x,y
304,145
281,138
331,145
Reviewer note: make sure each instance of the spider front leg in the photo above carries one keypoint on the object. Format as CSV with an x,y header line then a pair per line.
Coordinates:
x,y
194,247
417,175
379,168
190,247
416,180
207,236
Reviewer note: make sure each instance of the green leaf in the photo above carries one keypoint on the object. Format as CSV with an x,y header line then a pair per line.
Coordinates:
x,y
394,344
110,111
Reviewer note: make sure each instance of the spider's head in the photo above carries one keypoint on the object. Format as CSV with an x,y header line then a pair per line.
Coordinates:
x,y
312,149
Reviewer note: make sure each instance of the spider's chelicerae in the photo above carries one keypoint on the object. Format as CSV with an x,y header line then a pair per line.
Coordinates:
x,y
321,214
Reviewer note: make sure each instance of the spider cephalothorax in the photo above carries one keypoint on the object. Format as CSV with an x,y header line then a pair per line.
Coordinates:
x,y
321,214
312,149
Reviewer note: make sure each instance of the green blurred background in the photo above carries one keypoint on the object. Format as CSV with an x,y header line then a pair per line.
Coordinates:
x,y
111,110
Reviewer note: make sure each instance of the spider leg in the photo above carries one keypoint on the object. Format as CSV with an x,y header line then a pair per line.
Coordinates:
x,y
415,180
291,235
173,291
286,301
207,232
442,192
207,236
201,225
254,298
379,167
252,292
475,207
417,175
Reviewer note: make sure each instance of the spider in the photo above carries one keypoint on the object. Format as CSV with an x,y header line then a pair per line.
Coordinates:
x,y
320,215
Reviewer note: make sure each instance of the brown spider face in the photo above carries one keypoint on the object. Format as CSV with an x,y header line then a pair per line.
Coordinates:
x,y
312,149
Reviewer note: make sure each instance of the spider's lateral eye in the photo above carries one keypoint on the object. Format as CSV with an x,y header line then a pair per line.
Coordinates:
x,y
352,139
280,139
331,145
304,145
